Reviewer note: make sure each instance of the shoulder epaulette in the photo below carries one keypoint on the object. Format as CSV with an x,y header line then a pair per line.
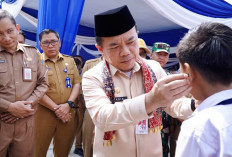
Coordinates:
x,y
29,46
93,60
66,55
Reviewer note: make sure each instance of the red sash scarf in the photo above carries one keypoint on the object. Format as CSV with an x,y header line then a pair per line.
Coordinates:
x,y
149,79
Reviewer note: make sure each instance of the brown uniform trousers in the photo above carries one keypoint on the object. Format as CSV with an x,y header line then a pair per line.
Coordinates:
x,y
18,138
88,126
47,124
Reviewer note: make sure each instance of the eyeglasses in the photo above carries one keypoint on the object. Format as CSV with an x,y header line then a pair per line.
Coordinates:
x,y
53,43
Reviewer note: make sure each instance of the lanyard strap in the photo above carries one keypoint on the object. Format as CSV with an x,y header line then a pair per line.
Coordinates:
x,y
225,102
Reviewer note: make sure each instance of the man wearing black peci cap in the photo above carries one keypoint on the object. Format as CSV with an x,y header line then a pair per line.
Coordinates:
x,y
124,93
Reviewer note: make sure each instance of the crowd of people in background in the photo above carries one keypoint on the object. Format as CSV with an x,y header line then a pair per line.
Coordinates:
x,y
124,103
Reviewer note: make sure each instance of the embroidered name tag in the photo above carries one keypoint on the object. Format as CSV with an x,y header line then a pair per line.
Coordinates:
x,y
2,61
119,99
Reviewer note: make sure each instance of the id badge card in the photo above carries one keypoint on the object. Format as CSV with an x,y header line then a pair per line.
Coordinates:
x,y
142,127
27,74
68,82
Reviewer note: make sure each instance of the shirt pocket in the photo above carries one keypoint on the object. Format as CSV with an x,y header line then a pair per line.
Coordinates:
x,y
33,68
51,81
71,75
4,75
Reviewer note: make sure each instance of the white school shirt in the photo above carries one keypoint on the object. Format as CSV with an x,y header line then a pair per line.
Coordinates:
x,y
208,132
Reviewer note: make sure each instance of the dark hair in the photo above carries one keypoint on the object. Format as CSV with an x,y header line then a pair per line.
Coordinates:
x,y
78,62
47,31
22,33
78,57
208,48
6,14
99,40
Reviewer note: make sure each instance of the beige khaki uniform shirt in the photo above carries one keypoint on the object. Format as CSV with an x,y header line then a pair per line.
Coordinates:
x,y
12,86
90,63
56,77
123,116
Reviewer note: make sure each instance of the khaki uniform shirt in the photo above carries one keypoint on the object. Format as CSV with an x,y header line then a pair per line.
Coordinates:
x,y
58,91
123,116
90,63
12,86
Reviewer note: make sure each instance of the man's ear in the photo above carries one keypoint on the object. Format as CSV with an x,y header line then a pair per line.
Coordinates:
x,y
99,48
190,71
40,45
17,27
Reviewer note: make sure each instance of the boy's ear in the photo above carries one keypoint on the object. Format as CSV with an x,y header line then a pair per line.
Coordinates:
x,y
190,71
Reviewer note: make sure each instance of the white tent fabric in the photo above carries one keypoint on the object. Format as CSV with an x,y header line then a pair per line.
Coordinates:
x,y
14,8
29,18
182,16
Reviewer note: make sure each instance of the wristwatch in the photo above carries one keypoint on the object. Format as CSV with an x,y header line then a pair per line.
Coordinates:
x,y
193,105
71,104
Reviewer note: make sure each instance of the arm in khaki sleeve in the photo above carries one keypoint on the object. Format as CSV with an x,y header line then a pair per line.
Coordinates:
x,y
107,116
180,108
85,68
168,92
63,109
48,103
4,104
77,78
42,82
76,84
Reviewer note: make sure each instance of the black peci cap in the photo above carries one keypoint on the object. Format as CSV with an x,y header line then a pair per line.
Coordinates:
x,y
113,22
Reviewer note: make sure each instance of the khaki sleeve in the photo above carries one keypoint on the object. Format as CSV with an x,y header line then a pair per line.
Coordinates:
x,y
85,68
42,81
4,105
180,108
77,78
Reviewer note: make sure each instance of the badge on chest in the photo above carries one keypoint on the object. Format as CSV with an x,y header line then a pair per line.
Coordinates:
x,y
67,79
142,127
27,74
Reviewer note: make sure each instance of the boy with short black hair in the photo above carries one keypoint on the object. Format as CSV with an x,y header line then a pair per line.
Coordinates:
x,y
205,54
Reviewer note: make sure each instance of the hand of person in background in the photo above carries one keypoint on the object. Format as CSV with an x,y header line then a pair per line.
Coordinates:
x,y
62,110
6,117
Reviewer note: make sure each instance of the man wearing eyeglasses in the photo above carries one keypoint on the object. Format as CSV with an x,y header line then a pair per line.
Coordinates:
x,y
56,115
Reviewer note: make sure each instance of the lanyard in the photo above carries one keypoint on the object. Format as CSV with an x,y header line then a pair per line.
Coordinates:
x,y
225,102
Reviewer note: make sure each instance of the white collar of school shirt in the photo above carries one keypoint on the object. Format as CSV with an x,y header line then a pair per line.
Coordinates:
x,y
213,100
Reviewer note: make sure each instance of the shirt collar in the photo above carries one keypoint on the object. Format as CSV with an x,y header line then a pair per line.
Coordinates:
x,y
18,48
214,100
45,58
114,70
